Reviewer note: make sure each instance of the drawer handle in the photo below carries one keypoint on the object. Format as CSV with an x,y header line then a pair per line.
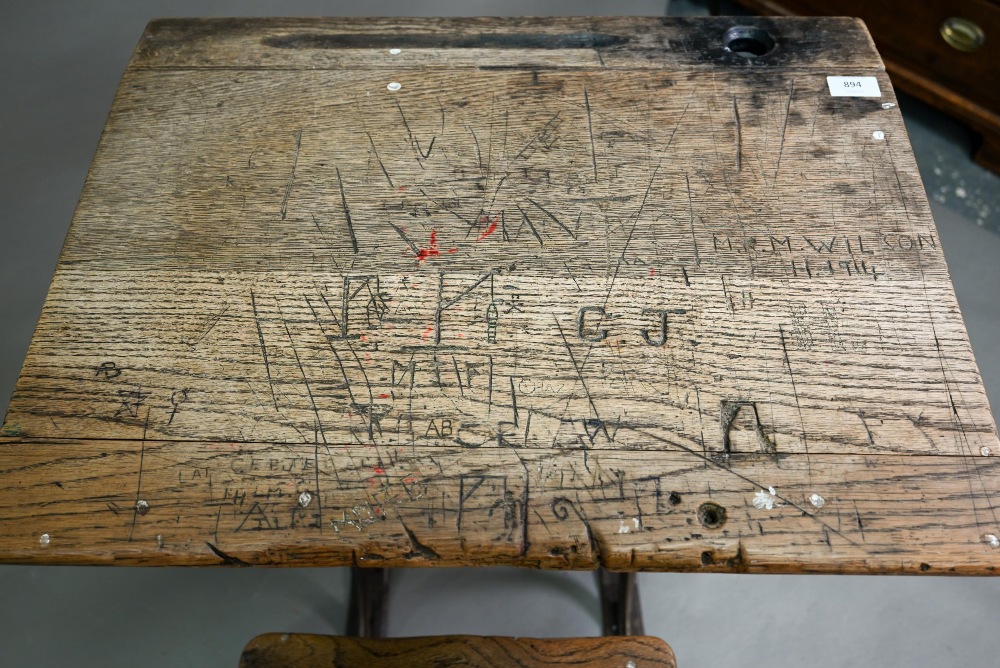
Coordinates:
x,y
962,34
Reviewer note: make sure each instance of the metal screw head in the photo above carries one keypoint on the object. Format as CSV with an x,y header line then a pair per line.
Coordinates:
x,y
44,539
305,498
141,507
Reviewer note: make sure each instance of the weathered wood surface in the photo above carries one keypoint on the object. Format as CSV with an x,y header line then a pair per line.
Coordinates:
x,y
306,651
529,308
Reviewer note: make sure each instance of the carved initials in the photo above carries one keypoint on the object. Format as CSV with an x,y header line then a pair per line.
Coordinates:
x,y
599,334
662,337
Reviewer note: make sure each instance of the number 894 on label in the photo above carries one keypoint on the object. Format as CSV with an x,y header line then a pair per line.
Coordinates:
x,y
853,86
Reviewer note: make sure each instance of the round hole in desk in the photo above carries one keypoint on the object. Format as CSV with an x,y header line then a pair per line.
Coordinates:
x,y
748,41
711,515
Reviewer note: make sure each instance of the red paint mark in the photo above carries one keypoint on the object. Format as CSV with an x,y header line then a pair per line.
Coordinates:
x,y
409,479
461,336
489,230
364,338
403,189
431,250
652,272
378,510
427,332
384,395
452,250
378,470
372,481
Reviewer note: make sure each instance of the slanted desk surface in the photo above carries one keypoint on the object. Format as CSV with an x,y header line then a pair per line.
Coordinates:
x,y
544,292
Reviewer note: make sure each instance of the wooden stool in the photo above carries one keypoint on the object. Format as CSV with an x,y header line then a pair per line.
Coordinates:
x,y
305,650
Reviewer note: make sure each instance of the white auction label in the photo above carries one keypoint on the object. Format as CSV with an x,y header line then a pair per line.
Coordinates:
x,y
853,86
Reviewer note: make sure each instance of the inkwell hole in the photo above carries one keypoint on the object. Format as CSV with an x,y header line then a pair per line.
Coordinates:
x,y
748,42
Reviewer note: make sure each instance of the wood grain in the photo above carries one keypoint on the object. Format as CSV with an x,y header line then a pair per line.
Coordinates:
x,y
552,316
306,651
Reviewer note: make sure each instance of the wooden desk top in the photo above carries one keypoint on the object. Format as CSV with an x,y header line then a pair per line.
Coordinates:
x,y
547,292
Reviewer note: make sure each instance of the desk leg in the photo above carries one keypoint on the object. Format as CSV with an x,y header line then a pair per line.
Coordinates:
x,y
621,614
369,595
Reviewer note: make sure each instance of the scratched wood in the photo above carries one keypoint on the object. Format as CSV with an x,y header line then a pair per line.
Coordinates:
x,y
274,650
578,291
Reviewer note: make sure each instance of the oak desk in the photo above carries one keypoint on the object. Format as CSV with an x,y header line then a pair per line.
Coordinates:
x,y
641,293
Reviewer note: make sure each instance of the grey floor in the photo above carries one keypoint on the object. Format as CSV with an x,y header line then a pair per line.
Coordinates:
x,y
59,65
